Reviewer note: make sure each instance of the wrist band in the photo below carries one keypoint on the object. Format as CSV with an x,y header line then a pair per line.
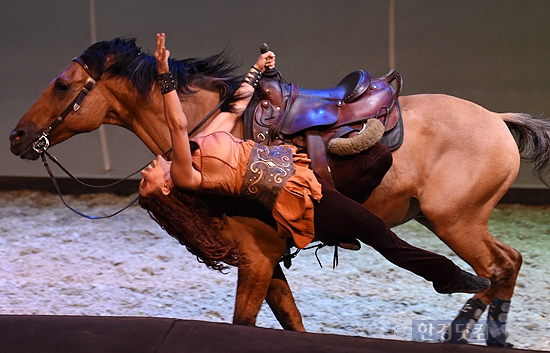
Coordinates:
x,y
166,82
253,77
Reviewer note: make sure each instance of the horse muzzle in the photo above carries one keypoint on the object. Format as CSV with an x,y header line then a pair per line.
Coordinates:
x,y
21,144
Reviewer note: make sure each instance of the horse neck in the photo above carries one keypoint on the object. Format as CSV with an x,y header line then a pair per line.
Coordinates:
x,y
142,116
199,105
145,117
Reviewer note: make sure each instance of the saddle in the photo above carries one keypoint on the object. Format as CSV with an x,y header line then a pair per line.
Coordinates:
x,y
286,113
287,110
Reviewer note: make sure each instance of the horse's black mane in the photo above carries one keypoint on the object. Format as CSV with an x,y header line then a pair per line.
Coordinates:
x,y
124,58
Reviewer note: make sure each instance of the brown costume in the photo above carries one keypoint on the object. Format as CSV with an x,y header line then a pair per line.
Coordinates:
x,y
224,161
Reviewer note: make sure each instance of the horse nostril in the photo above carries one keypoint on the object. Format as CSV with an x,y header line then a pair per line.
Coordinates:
x,y
17,135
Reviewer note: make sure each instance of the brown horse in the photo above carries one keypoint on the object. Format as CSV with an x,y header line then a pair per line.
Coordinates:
x,y
456,162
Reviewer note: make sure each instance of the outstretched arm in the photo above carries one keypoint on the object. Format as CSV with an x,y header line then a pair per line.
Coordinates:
x,y
182,172
226,121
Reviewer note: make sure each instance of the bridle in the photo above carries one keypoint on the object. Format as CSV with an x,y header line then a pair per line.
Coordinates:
x,y
41,144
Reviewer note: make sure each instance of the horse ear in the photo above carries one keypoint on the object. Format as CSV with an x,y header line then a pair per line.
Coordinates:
x,y
109,60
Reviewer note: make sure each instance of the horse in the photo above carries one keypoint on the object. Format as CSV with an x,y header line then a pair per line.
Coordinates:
x,y
455,163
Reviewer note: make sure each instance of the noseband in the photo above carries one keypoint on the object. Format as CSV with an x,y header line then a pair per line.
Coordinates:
x,y
42,143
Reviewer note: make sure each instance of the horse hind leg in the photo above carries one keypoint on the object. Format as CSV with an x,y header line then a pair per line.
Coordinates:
x,y
499,307
501,264
496,323
464,324
470,239
504,281
495,331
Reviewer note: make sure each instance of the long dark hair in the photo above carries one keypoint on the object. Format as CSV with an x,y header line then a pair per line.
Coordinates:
x,y
185,217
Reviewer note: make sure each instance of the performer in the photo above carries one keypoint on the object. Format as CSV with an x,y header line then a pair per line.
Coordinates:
x,y
301,202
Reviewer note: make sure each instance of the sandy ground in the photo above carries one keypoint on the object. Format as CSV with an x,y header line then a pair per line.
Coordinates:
x,y
54,262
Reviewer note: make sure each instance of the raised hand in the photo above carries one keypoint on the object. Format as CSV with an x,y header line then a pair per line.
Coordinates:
x,y
162,54
266,61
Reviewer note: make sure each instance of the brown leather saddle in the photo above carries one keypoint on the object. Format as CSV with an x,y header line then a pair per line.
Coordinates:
x,y
287,113
287,109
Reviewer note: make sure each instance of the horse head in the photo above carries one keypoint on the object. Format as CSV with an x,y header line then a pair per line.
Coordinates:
x,y
59,96
123,80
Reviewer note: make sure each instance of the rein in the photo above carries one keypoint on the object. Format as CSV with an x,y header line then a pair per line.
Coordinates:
x,y
42,143
52,177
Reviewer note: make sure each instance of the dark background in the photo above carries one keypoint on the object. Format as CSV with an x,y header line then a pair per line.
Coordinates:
x,y
492,52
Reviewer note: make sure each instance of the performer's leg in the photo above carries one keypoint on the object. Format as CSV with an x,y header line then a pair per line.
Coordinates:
x,y
358,175
340,215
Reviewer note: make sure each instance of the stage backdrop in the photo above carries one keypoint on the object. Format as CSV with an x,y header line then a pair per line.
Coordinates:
x,y
493,52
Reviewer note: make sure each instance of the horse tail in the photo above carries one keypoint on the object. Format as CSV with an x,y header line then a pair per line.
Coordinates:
x,y
533,138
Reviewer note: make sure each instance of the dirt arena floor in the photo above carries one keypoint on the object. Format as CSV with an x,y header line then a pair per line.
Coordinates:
x,y
54,262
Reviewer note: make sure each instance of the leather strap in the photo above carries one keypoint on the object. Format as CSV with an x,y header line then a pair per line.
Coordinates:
x,y
275,128
317,153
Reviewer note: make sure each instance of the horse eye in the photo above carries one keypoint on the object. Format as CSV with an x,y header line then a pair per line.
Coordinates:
x,y
60,86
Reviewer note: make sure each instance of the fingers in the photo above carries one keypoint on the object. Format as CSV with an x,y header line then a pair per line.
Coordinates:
x,y
266,61
161,38
270,62
161,54
160,50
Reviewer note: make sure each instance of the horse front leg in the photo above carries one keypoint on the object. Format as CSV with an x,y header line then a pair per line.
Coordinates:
x,y
253,283
278,295
260,249
280,300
